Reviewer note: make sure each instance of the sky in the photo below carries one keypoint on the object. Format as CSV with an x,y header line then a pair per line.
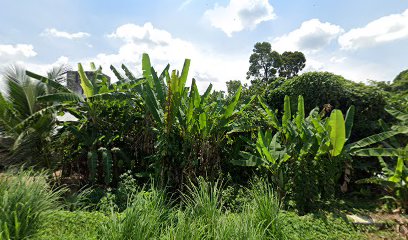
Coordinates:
x,y
359,39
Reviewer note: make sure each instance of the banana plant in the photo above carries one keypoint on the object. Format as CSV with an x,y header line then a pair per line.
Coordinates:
x,y
393,179
302,154
300,135
98,93
189,128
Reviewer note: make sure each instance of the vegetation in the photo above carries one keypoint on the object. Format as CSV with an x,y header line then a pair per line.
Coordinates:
x,y
150,157
26,201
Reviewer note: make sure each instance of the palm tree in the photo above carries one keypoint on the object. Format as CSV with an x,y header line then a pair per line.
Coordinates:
x,y
25,123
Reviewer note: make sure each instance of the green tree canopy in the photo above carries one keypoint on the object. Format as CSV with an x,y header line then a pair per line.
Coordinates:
x,y
266,65
400,83
292,63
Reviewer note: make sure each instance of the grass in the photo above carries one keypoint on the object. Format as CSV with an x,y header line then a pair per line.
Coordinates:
x,y
26,200
200,215
72,225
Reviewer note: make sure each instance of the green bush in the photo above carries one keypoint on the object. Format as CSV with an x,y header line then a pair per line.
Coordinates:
x,y
317,226
72,225
302,155
319,88
26,201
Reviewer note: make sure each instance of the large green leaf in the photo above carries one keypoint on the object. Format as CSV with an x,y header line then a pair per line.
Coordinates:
x,y
128,73
376,138
231,107
337,132
61,97
86,84
117,74
184,75
286,112
300,115
56,85
349,121
376,152
147,68
398,114
271,115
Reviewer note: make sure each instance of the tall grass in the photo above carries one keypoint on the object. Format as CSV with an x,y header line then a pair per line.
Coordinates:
x,y
143,219
264,209
26,200
203,217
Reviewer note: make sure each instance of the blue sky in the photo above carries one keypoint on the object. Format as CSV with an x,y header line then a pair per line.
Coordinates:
x,y
363,39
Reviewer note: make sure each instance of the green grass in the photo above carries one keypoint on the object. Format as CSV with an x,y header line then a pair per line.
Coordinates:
x,y
200,215
67,225
26,200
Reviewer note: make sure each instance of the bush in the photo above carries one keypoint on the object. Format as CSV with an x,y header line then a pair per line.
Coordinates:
x,y
72,225
319,88
26,200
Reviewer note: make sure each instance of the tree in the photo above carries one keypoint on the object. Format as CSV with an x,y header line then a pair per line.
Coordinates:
x,y
264,63
292,64
400,83
25,123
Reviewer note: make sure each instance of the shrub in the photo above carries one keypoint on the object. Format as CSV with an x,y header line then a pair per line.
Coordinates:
x,y
319,88
26,200
302,155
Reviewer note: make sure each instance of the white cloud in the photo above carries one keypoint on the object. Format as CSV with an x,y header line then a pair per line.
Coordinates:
x,y
206,65
336,59
10,53
239,15
386,29
60,34
311,36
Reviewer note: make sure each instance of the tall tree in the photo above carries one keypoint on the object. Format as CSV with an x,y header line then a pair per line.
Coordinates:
x,y
292,63
264,63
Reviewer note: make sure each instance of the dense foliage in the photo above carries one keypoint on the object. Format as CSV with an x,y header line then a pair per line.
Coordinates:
x,y
160,159
321,88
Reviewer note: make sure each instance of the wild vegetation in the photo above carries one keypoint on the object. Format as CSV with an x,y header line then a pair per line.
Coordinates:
x,y
152,157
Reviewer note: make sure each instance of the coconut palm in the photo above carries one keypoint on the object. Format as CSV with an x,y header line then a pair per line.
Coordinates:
x,y
25,123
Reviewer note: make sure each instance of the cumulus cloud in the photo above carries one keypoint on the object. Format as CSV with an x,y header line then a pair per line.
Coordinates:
x,y
386,29
52,32
239,15
16,52
207,66
311,36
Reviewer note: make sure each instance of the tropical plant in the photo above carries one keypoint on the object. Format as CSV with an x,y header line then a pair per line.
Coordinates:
x,y
320,88
393,179
190,129
26,200
26,125
100,120
143,219
303,154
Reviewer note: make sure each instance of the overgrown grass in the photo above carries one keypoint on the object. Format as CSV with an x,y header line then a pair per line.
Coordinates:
x,y
26,200
200,215
68,225
143,219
